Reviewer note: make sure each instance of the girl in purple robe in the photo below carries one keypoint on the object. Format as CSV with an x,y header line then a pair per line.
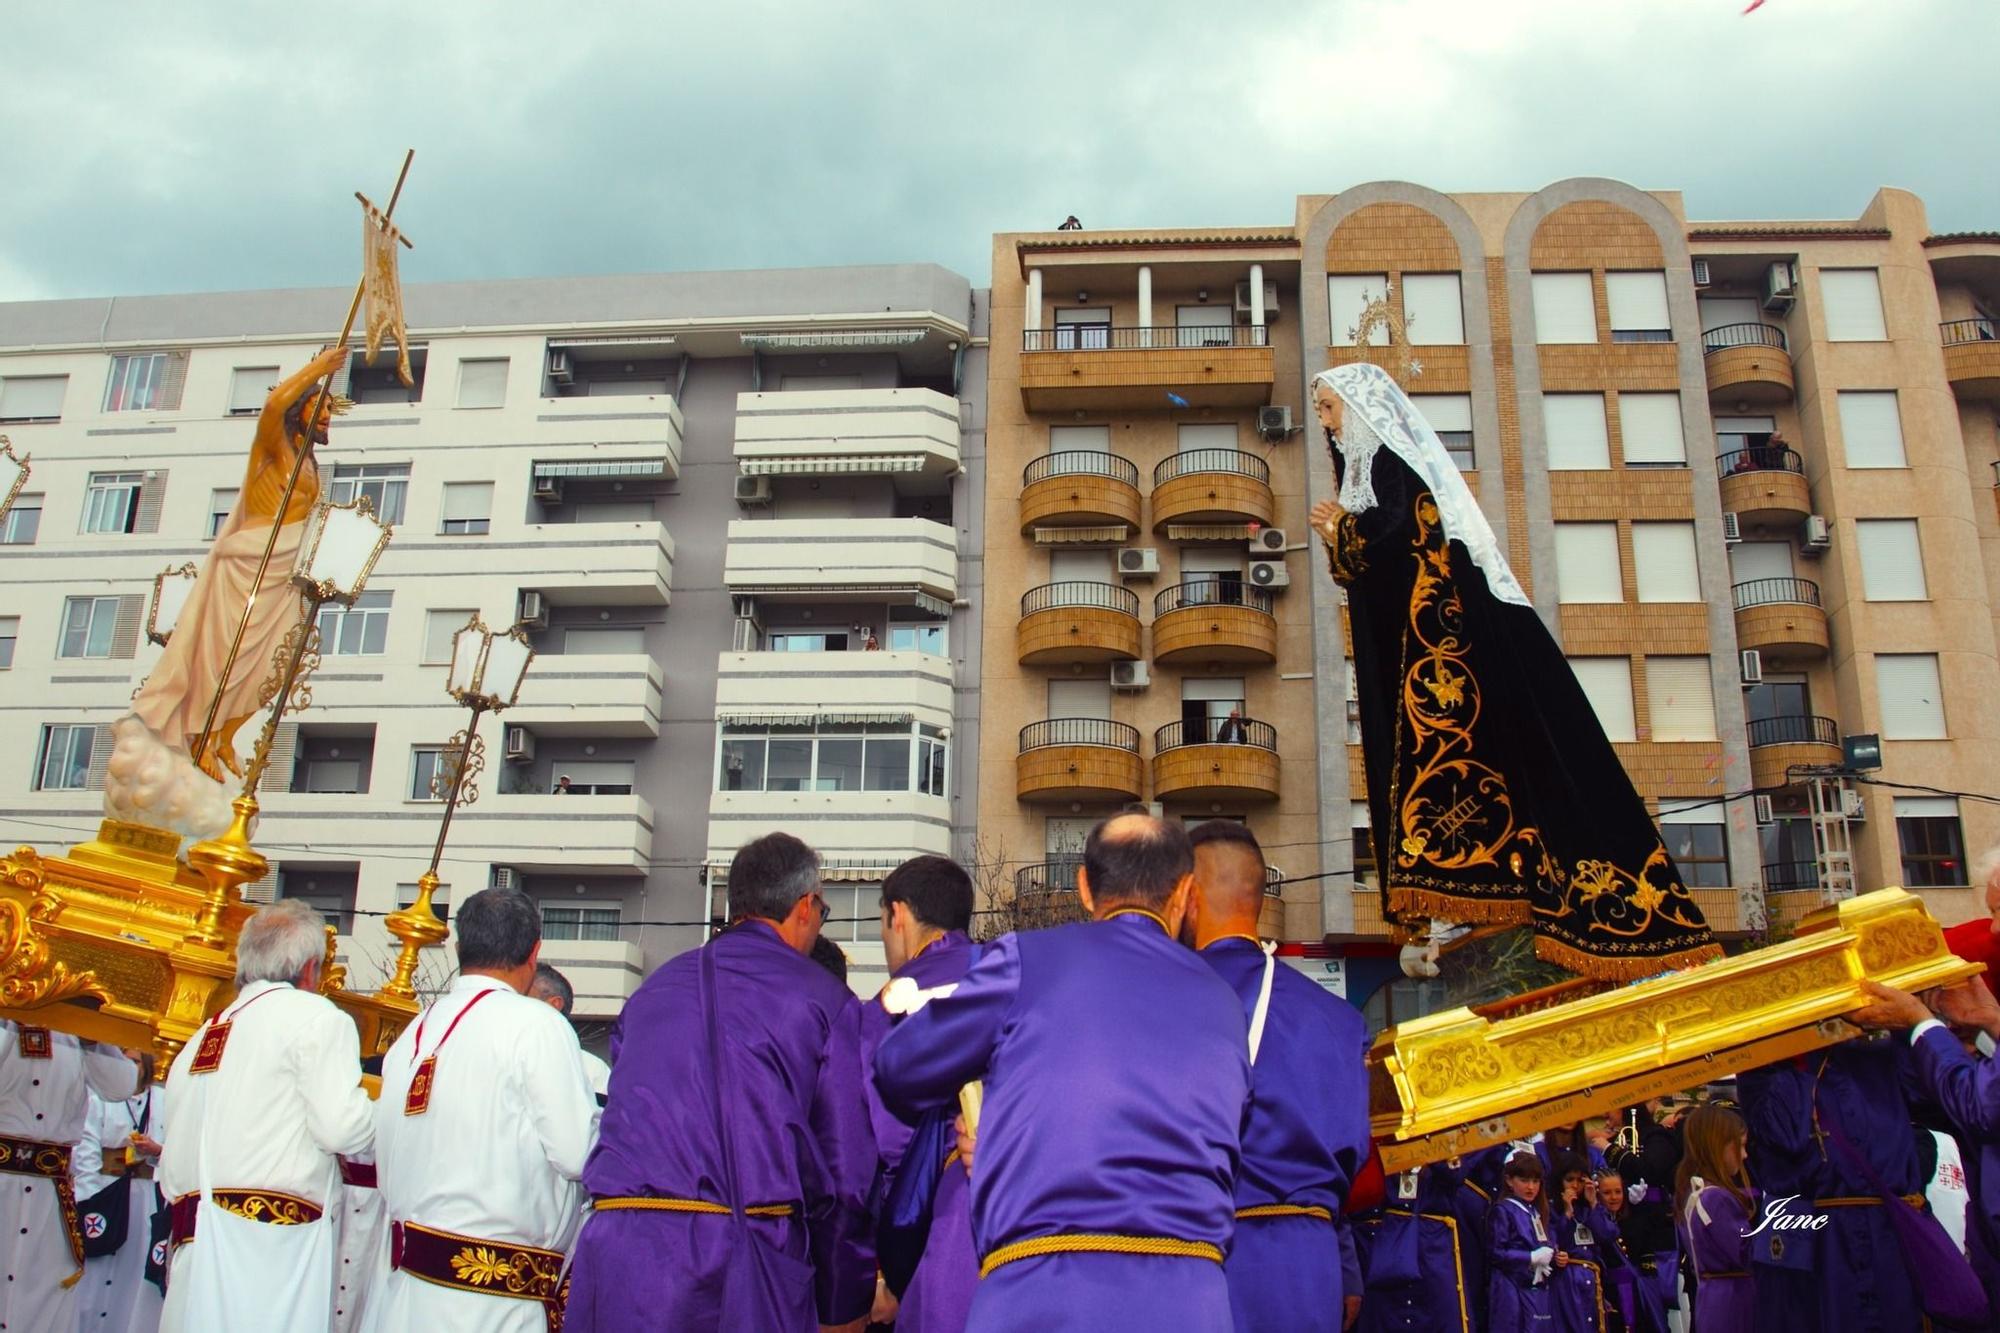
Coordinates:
x,y
1520,1254
1714,1199
1642,1257
1582,1232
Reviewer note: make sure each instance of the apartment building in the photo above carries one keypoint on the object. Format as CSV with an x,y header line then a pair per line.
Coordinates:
x,y
735,510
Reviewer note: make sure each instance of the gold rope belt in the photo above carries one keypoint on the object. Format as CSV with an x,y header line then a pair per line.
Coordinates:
x,y
1865,1201
661,1203
1286,1210
1084,1242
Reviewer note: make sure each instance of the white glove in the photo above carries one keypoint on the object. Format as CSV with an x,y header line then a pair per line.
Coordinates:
x,y
1637,1191
1542,1260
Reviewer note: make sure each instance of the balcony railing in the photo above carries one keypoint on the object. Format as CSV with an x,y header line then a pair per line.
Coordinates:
x,y
1212,592
1057,875
1216,731
1759,458
1232,461
1742,335
1104,338
1771,592
1100,596
1081,463
1980,330
1793,731
1274,882
1790,876
1080,731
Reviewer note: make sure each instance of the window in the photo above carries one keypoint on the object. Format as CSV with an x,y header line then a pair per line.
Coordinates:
x,y
1607,682
1587,566
430,773
806,641
1871,429
1778,696
1573,424
64,763
1851,299
1912,699
378,383
111,504
1450,415
1752,562
1366,872
1649,428
10,633
930,761
1353,705
468,508
343,777
23,522
439,629
1346,294
25,398
847,756
1080,439
220,502
361,630
482,383
1083,329
1204,325
383,483
1080,698
90,626
1680,700
1432,309
581,921
917,639
602,777
137,383
1933,844
1565,311
1663,561
1697,839
1638,304
249,386
1892,560
606,640
1201,435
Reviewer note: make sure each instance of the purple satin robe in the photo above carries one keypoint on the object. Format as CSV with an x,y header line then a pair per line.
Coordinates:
x,y
790,1037
1415,1255
1967,1088
1116,1078
1515,1302
1306,1137
1578,1290
1725,1299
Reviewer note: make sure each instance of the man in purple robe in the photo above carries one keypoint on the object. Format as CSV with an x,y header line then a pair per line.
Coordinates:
x,y
926,911
1308,1129
1417,1252
732,1182
1117,1078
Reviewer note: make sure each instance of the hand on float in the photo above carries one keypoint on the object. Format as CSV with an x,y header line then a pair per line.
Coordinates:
x,y
1888,1007
1970,1004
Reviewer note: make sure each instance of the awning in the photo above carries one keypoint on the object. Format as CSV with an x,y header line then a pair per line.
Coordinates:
x,y
826,338
1208,532
873,592
824,464
1113,534
887,716
611,342
833,871
638,467
806,717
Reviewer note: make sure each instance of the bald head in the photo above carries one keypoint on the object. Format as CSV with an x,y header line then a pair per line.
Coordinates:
x,y
1136,861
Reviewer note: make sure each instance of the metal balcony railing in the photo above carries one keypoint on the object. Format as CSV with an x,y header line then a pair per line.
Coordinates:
x,y
1274,882
1213,592
1055,875
1081,463
1232,461
1104,338
1790,876
1980,330
1770,592
1759,458
1742,335
1216,731
1793,731
1079,592
1080,731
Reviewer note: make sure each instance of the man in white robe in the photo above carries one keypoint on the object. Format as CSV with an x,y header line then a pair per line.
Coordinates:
x,y
259,1105
485,1120
363,1224
553,989
114,1296
45,1083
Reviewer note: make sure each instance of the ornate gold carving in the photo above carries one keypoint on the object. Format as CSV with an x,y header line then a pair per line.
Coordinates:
x,y
29,978
1896,942
518,1272
267,1206
475,764
1454,1066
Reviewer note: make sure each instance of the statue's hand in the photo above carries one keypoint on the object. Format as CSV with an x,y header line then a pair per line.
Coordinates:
x,y
328,361
1326,517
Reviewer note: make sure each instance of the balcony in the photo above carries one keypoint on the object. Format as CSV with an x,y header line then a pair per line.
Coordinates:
x,y
535,833
637,436
1196,764
604,973
1096,368
1781,618
1211,486
1791,877
591,694
1045,895
1764,484
594,564
1076,621
1747,363
854,685
896,559
1972,357
1778,744
1079,759
1212,621
1080,489
848,432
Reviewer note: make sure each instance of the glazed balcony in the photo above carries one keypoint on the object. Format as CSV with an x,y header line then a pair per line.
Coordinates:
x,y
1781,618
1212,621
1972,357
1779,744
1195,763
904,433
1079,759
1098,368
1211,486
1764,484
1077,621
1080,488
1747,363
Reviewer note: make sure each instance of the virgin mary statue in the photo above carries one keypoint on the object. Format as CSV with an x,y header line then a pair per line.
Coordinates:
x,y
1495,797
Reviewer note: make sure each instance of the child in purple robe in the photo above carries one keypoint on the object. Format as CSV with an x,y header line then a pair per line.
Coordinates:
x,y
1714,1200
1583,1233
1520,1253
1642,1256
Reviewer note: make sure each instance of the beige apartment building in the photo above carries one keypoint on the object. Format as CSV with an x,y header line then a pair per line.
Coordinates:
x,y
1747,471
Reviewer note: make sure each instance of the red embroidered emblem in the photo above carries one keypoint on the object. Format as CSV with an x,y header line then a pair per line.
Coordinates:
x,y
208,1055
36,1044
418,1099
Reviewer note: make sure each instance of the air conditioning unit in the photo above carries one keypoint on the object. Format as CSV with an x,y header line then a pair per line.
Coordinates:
x,y
1153,808
1765,814
1701,273
1131,675
1269,574
1780,288
520,745
534,611
506,877
1732,529
1243,302
560,371
1752,666
753,490
1852,806
1271,541
549,490
1139,562
1818,534
1274,423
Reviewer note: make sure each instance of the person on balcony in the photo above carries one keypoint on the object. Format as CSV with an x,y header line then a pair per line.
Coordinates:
x,y
1232,730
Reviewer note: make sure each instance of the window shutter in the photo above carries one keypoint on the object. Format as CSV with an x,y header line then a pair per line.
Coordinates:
x,y
482,383
125,630
1359,818
1575,430
341,379
249,386
152,498
1637,300
1892,560
1680,698
1911,697
264,890
468,500
1565,310
1346,294
1649,427
1433,309
1205,436
172,382
1720,311
1926,807
1871,429
32,397
1445,411
1852,301
1587,563
284,755
1750,561
1080,698
1607,683
1664,564
1080,439
1690,810
100,759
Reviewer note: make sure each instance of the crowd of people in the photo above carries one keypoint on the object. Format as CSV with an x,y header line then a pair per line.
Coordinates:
x,y
1141,1121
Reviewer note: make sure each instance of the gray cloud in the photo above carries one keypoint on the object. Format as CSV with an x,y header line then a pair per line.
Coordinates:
x,y
210,145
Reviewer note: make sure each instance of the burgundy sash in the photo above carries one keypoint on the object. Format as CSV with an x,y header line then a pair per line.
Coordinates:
x,y
490,1267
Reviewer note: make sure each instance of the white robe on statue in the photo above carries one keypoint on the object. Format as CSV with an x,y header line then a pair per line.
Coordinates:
x,y
114,1296
286,1099
496,1156
47,1100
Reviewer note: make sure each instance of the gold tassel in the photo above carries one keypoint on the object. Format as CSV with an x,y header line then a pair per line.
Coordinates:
x,y
1621,970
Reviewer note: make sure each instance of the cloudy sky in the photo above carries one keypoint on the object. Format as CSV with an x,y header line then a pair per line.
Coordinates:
x,y
206,145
